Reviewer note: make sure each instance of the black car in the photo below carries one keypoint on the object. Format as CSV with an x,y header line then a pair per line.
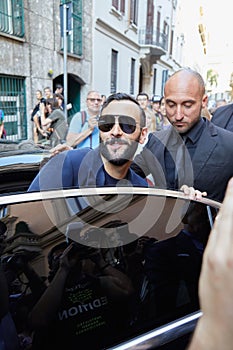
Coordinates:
x,y
19,164
142,246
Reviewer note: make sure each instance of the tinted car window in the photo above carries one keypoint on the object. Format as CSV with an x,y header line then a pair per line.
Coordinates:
x,y
137,261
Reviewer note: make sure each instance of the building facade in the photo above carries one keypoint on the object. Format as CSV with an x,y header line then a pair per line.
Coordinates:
x,y
111,45
135,45
32,57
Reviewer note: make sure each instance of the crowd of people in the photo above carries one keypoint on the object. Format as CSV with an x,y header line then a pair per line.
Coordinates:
x,y
83,130
49,122
181,150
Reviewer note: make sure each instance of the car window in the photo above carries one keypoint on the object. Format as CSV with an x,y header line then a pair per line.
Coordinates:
x,y
136,258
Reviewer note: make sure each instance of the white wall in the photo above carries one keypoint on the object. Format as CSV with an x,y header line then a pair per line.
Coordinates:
x,y
111,32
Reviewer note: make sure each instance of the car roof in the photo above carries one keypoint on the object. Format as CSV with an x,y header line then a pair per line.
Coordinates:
x,y
19,164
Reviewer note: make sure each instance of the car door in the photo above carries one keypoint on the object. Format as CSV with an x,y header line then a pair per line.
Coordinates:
x,y
134,283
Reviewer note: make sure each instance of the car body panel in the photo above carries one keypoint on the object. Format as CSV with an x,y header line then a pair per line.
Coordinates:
x,y
156,213
18,167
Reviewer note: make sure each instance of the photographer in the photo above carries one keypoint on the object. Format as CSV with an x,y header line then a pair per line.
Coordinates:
x,y
85,301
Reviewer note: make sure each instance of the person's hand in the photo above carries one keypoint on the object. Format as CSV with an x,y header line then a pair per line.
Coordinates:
x,y
96,256
215,327
141,242
42,132
191,193
70,257
92,122
60,148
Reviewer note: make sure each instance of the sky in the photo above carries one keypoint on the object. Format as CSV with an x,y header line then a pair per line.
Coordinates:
x,y
218,21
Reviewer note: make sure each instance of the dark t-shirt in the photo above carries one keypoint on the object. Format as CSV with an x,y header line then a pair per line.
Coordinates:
x,y
59,127
86,319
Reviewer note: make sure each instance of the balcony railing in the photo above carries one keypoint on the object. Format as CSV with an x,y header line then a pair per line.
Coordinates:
x,y
153,38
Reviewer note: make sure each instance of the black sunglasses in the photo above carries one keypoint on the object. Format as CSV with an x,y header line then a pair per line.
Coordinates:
x,y
94,99
127,124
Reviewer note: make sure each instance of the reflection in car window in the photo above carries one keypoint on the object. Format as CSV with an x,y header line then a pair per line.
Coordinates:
x,y
106,267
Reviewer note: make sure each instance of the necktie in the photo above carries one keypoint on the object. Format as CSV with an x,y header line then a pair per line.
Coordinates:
x,y
180,164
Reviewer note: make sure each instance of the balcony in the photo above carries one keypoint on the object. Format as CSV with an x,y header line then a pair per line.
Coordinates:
x,y
153,43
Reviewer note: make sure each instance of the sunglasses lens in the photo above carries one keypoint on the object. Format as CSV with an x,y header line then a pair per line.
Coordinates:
x,y
107,122
127,124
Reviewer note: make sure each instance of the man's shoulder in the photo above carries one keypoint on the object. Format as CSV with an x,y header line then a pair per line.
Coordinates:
x,y
220,112
74,155
137,180
223,117
78,153
214,133
222,109
76,115
216,129
76,122
80,116
159,136
65,163
57,113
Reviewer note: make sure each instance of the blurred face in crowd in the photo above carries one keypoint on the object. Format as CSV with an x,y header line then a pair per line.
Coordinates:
x,y
120,131
162,108
184,99
39,95
47,92
155,106
143,101
93,102
59,90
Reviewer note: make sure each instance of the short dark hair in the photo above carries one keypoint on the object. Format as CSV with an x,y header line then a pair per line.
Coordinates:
x,y
143,94
53,102
120,96
58,95
58,86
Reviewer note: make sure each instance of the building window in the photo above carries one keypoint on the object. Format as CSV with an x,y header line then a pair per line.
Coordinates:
x,y
158,28
114,62
154,80
134,12
12,102
119,5
12,17
164,42
3,211
74,38
132,76
149,22
164,79
171,43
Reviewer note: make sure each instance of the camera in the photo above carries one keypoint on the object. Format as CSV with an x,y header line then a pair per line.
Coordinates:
x,y
73,237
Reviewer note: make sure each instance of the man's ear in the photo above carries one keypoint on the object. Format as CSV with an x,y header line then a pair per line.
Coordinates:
x,y
204,101
143,135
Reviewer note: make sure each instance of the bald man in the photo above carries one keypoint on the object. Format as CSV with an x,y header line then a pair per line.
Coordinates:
x,y
207,160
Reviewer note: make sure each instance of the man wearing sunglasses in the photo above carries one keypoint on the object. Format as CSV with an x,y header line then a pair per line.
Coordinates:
x,y
121,127
83,130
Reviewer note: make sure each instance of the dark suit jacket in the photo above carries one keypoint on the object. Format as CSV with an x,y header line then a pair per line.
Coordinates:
x,y
209,170
223,117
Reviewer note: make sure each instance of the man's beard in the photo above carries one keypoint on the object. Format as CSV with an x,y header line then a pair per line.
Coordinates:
x,y
124,157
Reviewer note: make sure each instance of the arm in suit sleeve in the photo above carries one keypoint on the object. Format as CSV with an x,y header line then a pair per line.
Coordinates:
x,y
52,174
140,163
